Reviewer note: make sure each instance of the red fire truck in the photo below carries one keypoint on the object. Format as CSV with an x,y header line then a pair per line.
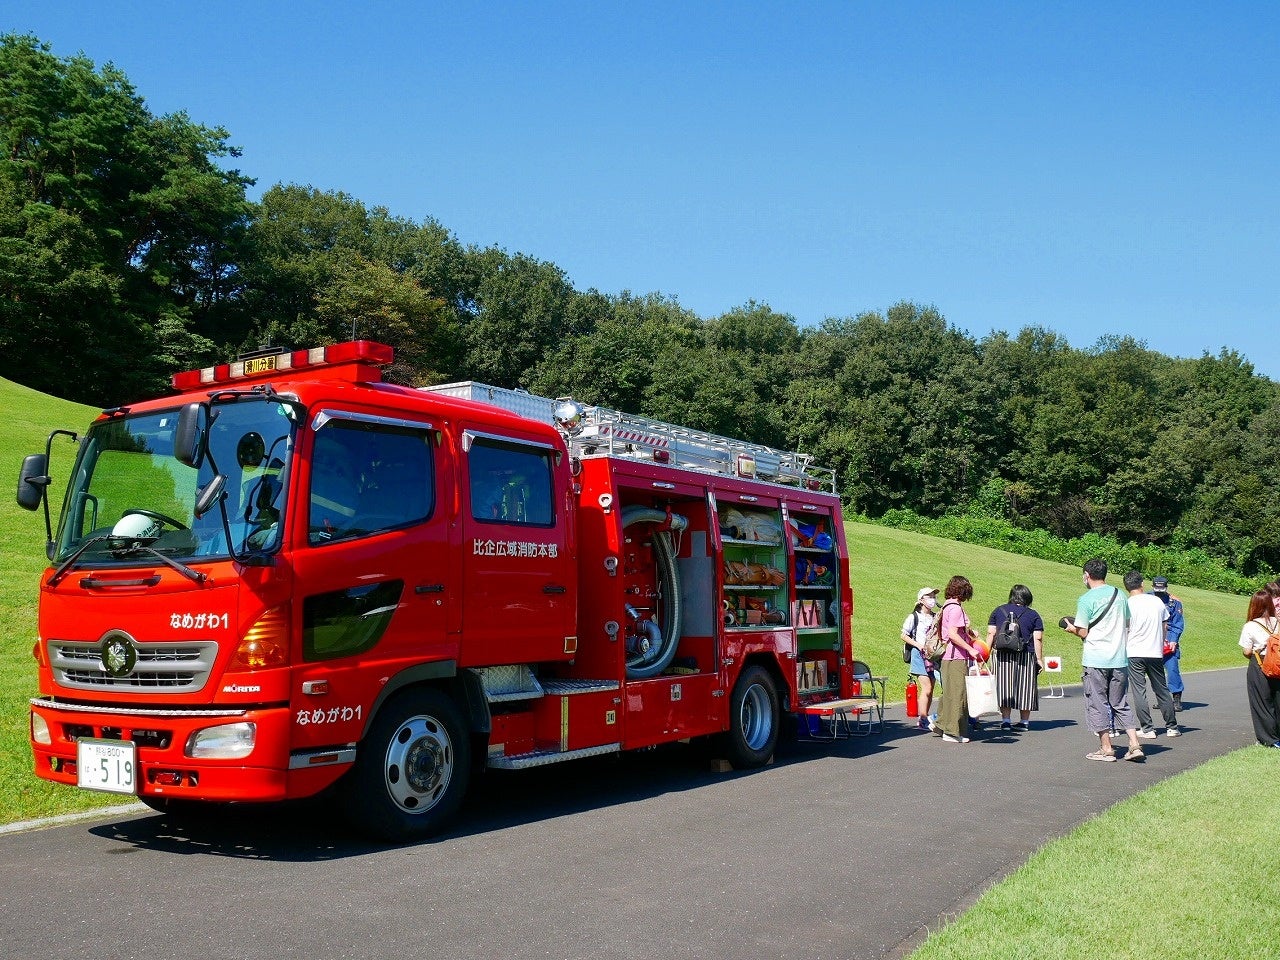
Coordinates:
x,y
293,577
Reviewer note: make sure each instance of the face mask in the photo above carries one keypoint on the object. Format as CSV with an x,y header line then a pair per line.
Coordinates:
x,y
930,602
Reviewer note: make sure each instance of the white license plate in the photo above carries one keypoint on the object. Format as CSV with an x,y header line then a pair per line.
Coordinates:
x,y
110,765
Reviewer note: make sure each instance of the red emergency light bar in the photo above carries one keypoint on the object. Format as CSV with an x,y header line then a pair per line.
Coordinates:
x,y
355,351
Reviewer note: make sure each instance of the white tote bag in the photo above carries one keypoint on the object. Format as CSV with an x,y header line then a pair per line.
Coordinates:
x,y
981,690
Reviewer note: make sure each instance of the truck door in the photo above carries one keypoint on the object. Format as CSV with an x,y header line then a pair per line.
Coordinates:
x,y
517,566
372,568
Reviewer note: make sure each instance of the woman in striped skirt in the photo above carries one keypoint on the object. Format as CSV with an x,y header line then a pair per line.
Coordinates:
x,y
1016,670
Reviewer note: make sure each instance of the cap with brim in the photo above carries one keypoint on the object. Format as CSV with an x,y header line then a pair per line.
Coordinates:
x,y
926,592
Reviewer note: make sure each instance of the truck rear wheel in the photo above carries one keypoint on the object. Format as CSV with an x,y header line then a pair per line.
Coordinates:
x,y
753,719
412,769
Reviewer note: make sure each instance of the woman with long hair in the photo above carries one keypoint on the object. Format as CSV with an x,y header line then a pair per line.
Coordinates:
x,y
1263,691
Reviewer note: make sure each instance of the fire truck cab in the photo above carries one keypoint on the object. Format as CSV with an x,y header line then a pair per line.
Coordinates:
x,y
292,577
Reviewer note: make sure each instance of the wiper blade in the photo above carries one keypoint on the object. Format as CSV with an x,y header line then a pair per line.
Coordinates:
x,y
68,563
182,568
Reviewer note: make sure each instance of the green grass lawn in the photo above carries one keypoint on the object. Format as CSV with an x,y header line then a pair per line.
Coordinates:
x,y
888,566
26,417
1182,870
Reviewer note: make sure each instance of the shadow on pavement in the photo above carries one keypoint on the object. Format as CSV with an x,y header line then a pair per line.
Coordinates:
x,y
313,831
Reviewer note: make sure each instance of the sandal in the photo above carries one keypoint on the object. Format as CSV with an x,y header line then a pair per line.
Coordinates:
x,y
1107,756
1135,754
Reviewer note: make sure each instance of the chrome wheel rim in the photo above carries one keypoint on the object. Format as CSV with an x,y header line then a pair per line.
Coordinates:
x,y
755,718
419,764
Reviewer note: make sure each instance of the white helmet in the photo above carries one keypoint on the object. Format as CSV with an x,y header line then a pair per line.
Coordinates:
x,y
135,526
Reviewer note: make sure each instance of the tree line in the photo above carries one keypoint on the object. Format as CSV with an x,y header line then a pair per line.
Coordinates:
x,y
129,249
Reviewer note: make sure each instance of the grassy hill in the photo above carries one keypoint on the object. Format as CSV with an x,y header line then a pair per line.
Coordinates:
x,y
888,567
26,418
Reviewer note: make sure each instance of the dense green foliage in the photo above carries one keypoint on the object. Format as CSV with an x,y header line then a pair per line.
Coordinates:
x,y
128,251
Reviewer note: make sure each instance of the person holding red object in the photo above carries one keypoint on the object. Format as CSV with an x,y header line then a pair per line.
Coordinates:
x,y
961,653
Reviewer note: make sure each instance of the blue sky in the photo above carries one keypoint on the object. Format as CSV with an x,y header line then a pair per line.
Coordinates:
x,y
1093,168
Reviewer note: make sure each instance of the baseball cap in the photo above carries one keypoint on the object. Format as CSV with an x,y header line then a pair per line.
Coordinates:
x,y
926,592
1160,584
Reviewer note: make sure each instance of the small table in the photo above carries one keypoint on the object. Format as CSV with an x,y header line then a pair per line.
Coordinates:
x,y
844,718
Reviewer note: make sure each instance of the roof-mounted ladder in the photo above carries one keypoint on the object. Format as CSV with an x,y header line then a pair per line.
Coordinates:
x,y
603,432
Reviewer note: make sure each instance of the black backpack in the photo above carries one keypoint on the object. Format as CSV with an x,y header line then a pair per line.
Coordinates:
x,y
1009,634
906,647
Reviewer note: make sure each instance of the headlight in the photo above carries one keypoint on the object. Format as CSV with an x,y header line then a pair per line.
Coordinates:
x,y
40,730
230,741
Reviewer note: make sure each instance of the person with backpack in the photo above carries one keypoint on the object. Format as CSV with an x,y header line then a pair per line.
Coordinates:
x,y
1261,631
914,630
1015,634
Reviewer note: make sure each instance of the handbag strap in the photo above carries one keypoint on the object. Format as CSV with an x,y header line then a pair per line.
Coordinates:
x,y
1094,622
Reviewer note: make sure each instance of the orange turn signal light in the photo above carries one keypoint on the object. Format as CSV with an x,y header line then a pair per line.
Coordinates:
x,y
266,643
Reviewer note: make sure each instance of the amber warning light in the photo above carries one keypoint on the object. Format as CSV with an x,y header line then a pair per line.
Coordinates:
x,y
355,351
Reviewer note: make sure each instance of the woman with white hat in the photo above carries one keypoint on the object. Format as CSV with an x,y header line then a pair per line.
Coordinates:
x,y
914,630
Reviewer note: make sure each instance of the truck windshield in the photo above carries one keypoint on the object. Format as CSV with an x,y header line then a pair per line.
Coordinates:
x,y
126,479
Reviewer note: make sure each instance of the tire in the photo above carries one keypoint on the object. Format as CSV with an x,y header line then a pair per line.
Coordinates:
x,y
412,769
753,720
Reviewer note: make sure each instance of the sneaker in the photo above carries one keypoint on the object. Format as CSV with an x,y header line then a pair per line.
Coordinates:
x,y
1148,734
1006,725
1135,754
1177,703
1106,756
1173,732
1021,727
948,738
922,724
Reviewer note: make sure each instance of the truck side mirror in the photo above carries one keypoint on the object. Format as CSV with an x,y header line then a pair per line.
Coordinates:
x,y
207,497
188,436
33,480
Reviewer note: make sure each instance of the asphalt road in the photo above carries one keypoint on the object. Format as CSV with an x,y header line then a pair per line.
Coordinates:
x,y
835,851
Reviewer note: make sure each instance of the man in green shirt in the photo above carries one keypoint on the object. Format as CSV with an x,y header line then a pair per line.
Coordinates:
x,y
1102,621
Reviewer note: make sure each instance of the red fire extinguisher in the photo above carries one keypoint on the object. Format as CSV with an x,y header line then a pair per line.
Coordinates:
x,y
913,705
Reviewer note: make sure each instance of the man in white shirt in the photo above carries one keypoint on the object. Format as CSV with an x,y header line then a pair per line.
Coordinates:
x,y
1145,645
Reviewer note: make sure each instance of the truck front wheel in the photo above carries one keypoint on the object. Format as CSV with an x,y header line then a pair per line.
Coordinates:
x,y
753,719
411,770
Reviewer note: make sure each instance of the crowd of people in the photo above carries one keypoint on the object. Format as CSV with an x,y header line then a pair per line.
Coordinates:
x,y
1132,640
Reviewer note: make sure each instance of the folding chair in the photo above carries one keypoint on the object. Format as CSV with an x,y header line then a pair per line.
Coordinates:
x,y
877,685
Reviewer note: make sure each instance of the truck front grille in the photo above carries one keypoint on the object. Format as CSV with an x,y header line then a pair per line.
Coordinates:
x,y
160,668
